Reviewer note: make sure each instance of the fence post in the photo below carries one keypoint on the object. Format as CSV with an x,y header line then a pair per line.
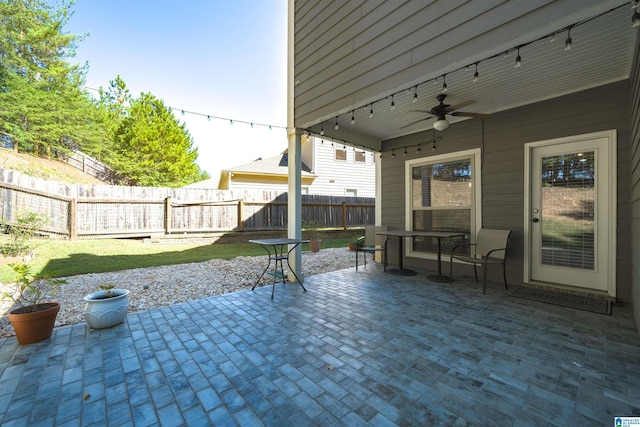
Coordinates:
x,y
240,215
167,215
344,215
73,215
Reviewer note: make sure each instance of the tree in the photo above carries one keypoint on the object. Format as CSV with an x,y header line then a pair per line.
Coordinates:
x,y
152,148
41,94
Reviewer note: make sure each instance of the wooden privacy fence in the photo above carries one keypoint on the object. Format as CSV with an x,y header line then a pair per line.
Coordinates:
x,y
78,211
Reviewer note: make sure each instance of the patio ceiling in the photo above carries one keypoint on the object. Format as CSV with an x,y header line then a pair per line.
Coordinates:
x,y
602,53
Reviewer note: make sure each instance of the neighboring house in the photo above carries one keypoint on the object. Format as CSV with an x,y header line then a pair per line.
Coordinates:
x,y
328,168
548,147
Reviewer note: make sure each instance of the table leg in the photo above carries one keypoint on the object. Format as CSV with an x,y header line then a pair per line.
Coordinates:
x,y
439,277
292,270
401,271
265,270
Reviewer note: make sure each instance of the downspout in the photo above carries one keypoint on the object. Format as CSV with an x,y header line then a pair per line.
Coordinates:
x,y
295,163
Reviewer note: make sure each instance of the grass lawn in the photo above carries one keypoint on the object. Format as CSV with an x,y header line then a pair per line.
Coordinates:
x,y
60,258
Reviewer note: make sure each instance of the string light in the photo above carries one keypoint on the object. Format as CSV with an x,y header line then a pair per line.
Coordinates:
x,y
635,5
568,42
353,118
518,60
635,18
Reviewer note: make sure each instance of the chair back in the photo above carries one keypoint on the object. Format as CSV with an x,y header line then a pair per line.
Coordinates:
x,y
373,239
489,239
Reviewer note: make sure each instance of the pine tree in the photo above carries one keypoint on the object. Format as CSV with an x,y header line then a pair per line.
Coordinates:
x,y
41,94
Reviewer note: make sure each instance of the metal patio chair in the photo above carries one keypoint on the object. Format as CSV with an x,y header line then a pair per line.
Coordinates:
x,y
490,248
372,243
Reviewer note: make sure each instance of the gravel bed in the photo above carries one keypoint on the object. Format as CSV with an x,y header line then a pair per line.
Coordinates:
x,y
170,284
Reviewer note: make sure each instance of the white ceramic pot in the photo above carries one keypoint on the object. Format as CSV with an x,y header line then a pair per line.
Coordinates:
x,y
102,312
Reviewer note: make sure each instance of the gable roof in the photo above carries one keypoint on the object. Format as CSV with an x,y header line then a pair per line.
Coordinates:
x,y
273,166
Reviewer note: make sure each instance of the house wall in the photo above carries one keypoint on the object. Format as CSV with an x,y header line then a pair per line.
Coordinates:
x,y
634,202
502,137
334,177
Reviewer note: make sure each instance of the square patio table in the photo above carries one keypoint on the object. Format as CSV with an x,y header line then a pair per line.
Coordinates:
x,y
439,235
276,250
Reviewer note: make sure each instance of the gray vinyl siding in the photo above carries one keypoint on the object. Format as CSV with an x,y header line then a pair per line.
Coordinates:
x,y
349,52
634,201
505,134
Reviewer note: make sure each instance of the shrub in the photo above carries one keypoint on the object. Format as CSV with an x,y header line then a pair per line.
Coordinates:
x,y
20,234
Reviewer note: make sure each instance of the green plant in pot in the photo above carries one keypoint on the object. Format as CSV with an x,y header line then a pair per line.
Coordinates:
x,y
107,307
312,233
35,315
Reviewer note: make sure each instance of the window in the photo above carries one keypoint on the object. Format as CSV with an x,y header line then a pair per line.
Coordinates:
x,y
351,192
341,154
360,156
443,195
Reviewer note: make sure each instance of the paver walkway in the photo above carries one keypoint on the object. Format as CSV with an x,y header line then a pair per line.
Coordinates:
x,y
359,348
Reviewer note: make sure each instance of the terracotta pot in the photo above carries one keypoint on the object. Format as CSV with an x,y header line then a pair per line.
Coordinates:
x,y
34,326
102,311
314,245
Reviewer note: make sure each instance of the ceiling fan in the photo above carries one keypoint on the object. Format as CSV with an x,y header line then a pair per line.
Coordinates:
x,y
441,110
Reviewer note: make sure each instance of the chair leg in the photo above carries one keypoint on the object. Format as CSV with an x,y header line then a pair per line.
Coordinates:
x,y
504,274
475,270
385,259
357,258
364,255
451,269
484,286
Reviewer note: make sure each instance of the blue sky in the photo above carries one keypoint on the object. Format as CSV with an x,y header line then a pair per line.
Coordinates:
x,y
223,58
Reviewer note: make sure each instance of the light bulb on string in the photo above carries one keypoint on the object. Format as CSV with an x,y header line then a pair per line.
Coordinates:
x,y
392,154
476,76
371,112
353,117
393,104
322,129
568,42
635,19
553,38
251,125
418,150
337,126
415,95
405,152
518,60
231,122
208,118
444,84
183,112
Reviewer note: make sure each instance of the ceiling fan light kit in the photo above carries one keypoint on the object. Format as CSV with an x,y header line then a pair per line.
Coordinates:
x,y
441,124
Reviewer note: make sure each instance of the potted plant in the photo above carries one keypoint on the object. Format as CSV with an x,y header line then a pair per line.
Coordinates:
x,y
313,235
35,316
356,243
107,307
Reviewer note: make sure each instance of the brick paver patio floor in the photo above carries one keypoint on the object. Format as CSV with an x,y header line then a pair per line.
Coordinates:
x,y
359,348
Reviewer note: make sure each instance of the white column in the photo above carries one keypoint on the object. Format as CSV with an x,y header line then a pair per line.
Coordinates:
x,y
295,163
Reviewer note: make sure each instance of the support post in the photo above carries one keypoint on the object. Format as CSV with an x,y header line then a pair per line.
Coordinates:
x,y
73,215
240,215
294,208
344,215
167,215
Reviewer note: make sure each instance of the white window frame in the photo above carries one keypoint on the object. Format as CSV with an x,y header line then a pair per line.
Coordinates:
x,y
475,155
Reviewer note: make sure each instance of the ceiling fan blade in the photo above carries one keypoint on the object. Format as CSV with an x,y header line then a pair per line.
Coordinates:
x,y
466,114
421,111
416,122
460,105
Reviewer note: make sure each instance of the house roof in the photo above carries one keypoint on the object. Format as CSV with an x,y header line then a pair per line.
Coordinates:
x,y
273,166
